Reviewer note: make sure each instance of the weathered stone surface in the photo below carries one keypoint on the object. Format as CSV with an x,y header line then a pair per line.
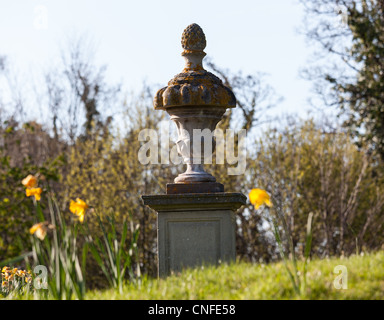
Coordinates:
x,y
196,218
194,86
193,38
195,229
195,99
203,187
188,119
214,201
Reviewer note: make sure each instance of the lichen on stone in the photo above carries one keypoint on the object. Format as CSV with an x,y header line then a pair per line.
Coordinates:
x,y
193,38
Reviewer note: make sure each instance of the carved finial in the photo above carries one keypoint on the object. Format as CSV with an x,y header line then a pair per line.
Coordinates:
x,y
194,86
193,42
193,38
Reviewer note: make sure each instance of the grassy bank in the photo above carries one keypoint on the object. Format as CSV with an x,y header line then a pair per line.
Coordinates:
x,y
248,281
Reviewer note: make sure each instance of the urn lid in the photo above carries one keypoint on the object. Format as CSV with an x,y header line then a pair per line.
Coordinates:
x,y
194,86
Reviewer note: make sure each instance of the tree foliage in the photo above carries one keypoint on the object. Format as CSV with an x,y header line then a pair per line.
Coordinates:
x,y
353,75
309,169
90,148
23,149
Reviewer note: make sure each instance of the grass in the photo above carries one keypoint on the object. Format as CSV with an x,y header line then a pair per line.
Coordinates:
x,y
244,281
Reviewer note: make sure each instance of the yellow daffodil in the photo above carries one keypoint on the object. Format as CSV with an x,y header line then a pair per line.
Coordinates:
x,y
4,283
30,181
6,269
39,230
34,192
20,273
259,197
78,208
14,270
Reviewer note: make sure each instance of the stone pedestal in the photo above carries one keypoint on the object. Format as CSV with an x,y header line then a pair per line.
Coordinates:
x,y
196,218
195,229
203,187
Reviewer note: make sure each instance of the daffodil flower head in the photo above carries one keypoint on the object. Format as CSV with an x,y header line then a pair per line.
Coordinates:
x,y
20,273
78,208
6,269
259,197
34,192
30,181
39,230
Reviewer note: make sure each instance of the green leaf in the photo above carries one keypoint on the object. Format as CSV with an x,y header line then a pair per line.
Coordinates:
x,y
16,259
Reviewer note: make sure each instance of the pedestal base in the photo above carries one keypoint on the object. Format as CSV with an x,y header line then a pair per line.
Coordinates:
x,y
195,229
203,187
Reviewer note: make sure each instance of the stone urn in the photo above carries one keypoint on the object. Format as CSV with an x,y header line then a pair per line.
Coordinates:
x,y
196,101
196,219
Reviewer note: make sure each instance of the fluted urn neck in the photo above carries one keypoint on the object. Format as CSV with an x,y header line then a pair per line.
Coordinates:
x,y
194,86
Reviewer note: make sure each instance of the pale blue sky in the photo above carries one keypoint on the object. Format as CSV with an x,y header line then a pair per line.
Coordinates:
x,y
140,40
